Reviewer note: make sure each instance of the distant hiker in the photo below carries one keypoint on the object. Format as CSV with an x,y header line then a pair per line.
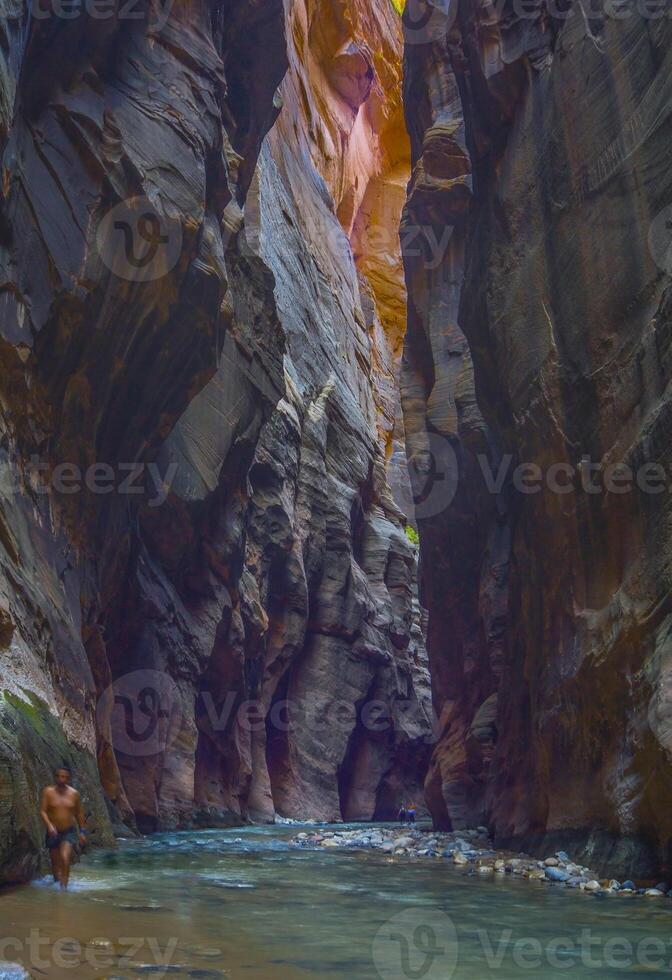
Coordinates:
x,y
410,812
61,811
401,816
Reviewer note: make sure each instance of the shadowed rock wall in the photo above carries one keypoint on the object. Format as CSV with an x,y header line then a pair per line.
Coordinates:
x,y
542,144
204,578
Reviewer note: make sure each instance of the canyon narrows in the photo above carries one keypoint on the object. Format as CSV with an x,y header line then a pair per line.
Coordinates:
x,y
216,364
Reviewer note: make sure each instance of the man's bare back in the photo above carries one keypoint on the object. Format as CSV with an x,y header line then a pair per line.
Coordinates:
x,y
62,814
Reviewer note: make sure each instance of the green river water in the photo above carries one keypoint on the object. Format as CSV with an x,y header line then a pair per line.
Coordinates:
x,y
246,903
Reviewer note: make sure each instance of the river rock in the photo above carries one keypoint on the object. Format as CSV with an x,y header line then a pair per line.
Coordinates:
x,y
206,952
144,907
150,968
556,874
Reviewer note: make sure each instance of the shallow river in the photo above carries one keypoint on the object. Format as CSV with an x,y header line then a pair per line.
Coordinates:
x,y
247,904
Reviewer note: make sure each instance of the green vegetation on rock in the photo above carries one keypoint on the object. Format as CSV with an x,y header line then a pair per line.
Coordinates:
x,y
412,535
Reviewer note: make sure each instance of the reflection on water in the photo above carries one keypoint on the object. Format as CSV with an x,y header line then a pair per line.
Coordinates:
x,y
246,903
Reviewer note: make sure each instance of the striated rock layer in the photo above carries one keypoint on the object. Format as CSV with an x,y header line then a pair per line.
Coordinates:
x,y
207,598
541,145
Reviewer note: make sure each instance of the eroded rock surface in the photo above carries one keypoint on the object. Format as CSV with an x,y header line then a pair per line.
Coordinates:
x,y
542,143
214,345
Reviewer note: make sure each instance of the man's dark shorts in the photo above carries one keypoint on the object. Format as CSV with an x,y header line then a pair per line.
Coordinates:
x,y
70,836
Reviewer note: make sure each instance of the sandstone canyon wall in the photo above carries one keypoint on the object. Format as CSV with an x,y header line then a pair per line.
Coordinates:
x,y
540,140
192,308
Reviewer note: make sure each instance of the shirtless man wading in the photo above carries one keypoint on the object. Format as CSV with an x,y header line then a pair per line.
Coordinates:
x,y
61,810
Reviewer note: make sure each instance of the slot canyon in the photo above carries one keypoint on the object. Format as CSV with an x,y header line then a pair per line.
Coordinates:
x,y
291,295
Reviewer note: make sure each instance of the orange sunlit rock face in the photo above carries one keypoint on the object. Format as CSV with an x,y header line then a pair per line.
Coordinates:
x,y
343,111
